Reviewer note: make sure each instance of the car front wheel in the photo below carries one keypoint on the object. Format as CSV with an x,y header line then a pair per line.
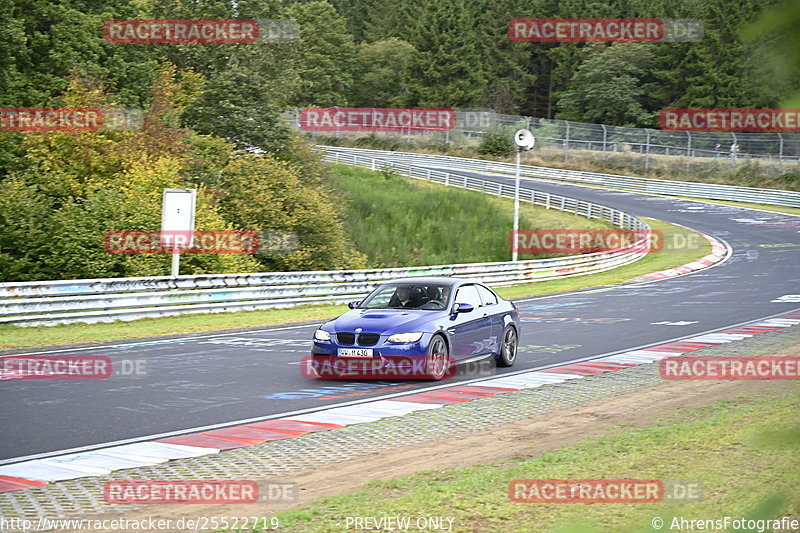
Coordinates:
x,y
438,358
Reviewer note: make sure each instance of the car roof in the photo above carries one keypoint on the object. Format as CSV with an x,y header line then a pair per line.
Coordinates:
x,y
444,280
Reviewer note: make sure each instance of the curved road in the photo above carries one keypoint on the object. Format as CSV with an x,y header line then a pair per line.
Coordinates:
x,y
207,380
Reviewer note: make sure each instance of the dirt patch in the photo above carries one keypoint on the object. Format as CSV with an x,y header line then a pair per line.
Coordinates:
x,y
521,440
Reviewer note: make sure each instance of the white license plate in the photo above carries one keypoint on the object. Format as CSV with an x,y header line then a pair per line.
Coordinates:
x,y
355,352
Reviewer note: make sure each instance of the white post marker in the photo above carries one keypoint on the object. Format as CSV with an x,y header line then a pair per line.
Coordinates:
x,y
177,215
524,141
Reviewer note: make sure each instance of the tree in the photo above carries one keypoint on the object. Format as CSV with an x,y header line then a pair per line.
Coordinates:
x,y
779,51
79,185
611,86
447,71
383,75
326,55
510,71
263,193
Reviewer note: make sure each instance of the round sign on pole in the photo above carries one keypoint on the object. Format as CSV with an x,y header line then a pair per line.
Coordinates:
x,y
524,139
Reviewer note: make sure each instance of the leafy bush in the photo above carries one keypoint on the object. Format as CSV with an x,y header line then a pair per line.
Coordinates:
x,y
499,141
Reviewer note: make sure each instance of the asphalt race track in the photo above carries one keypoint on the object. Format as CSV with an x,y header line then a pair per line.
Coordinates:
x,y
200,381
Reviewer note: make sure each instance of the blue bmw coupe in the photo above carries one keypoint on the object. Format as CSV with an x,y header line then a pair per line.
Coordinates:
x,y
418,327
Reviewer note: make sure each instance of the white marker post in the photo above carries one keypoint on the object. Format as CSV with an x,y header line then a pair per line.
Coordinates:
x,y
177,220
524,141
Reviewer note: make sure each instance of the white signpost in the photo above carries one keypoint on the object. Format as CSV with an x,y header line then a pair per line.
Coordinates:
x,y
177,222
524,141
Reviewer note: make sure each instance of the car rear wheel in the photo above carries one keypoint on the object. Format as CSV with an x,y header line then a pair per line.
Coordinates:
x,y
437,359
508,349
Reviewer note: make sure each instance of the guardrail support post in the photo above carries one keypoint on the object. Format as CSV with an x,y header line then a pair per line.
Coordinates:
x,y
605,141
688,151
514,252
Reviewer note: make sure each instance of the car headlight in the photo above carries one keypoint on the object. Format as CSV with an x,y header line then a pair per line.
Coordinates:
x,y
322,335
405,338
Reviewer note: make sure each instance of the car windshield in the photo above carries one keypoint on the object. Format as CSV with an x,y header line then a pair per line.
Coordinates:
x,y
426,296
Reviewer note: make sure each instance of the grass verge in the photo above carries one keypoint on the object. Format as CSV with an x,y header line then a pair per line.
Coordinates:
x,y
26,337
401,222
743,452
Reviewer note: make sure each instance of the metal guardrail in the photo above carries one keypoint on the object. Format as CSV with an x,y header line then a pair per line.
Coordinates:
x,y
110,299
628,183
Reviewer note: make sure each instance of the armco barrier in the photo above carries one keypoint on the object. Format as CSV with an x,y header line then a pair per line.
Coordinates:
x,y
628,183
110,299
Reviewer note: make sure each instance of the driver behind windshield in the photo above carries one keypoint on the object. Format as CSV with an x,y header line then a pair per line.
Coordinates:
x,y
432,293
401,298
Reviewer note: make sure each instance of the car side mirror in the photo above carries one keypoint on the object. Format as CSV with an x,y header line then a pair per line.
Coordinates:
x,y
353,304
462,308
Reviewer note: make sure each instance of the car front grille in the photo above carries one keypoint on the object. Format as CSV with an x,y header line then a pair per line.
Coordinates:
x,y
368,339
364,339
346,338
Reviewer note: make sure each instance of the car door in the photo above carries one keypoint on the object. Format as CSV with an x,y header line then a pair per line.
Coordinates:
x,y
491,310
469,331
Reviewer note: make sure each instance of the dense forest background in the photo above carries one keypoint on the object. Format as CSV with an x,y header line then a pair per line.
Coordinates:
x,y
205,103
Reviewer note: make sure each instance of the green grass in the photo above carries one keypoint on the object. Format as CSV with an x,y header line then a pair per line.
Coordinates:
x,y
21,337
743,452
401,222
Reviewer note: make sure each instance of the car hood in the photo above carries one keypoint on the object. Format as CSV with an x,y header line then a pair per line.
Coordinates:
x,y
387,320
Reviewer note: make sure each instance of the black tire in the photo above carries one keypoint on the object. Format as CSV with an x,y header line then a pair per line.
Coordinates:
x,y
508,347
437,360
